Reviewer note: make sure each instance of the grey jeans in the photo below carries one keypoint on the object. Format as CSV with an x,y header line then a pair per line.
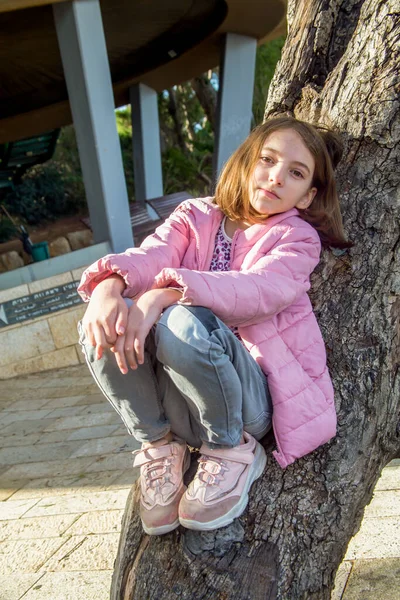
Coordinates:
x,y
197,380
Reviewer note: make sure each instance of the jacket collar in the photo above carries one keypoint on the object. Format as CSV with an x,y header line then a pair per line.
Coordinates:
x,y
253,233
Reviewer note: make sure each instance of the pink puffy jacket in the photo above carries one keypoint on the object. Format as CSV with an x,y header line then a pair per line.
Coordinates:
x,y
265,295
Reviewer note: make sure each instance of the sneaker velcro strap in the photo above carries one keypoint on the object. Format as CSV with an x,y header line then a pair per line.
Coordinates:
x,y
146,455
240,454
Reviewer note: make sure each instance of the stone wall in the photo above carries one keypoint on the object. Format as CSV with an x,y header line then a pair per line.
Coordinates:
x,y
75,240
45,343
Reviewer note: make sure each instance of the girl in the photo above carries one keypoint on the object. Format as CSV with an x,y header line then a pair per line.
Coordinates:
x,y
221,328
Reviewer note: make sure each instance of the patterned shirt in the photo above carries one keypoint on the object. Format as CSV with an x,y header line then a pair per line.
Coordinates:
x,y
221,260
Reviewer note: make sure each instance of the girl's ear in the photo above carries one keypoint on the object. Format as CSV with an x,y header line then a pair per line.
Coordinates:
x,y
307,198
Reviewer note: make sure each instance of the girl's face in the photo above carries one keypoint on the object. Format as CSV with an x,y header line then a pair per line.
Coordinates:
x,y
283,175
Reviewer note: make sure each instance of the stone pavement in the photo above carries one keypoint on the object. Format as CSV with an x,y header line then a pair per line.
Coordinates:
x,y
65,473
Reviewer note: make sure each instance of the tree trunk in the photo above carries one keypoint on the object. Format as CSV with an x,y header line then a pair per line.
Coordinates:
x,y
187,125
206,95
338,66
177,120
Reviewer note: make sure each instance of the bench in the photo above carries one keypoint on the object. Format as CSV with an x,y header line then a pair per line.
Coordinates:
x,y
145,217
19,156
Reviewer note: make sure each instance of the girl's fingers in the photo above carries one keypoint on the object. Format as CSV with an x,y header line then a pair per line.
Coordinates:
x,y
89,335
87,329
115,325
109,332
130,338
139,349
130,355
119,352
121,322
100,337
129,347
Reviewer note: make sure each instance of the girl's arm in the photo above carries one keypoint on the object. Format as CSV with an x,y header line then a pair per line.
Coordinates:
x,y
274,282
117,276
138,267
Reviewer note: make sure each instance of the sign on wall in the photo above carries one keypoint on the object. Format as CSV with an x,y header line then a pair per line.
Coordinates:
x,y
39,304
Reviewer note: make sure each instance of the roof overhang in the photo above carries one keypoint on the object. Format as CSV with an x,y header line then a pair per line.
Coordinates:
x,y
157,43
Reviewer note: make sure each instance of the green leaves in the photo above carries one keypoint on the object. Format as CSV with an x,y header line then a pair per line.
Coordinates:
x,y
7,229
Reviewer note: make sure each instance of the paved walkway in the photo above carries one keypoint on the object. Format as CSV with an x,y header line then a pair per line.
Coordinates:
x,y
65,473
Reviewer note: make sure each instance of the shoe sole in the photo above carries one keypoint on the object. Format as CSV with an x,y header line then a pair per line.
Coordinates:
x,y
256,470
162,529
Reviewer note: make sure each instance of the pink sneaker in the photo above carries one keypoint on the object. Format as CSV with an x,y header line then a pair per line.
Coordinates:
x,y
162,467
220,490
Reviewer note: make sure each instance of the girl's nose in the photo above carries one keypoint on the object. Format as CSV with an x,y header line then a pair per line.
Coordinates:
x,y
276,175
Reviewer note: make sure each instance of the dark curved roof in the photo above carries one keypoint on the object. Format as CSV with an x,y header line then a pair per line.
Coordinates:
x,y
160,43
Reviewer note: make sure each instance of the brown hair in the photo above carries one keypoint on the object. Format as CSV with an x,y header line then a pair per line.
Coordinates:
x,y
232,191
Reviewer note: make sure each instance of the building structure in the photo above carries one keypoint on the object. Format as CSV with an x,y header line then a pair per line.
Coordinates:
x,y
75,61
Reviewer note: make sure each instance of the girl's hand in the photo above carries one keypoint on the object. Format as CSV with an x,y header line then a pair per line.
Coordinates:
x,y
106,315
129,348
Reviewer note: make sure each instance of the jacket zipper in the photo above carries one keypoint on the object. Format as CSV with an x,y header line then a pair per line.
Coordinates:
x,y
233,246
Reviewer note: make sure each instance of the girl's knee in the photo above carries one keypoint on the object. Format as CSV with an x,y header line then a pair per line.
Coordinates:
x,y
182,331
185,322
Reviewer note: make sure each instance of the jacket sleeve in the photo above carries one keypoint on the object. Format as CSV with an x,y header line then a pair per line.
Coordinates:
x,y
241,298
139,266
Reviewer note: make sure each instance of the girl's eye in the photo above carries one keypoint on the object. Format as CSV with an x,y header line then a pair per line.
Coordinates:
x,y
267,159
297,173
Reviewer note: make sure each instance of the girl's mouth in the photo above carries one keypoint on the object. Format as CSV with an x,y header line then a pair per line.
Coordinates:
x,y
271,195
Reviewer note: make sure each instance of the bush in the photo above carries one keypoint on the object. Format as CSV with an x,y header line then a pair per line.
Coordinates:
x,y
182,172
66,159
124,127
41,196
7,229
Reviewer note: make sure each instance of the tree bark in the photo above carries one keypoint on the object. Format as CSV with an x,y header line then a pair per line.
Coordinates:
x,y
338,67
177,120
187,124
207,96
